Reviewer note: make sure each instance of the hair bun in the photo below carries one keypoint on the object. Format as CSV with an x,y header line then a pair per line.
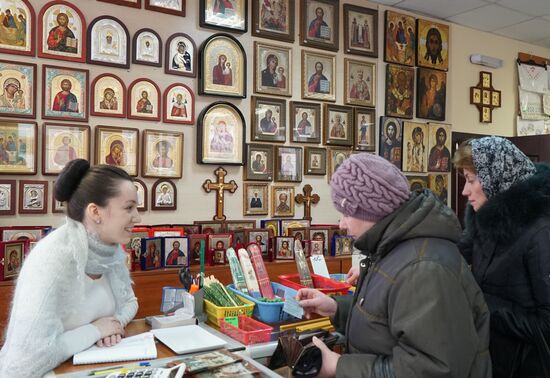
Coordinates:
x,y
70,178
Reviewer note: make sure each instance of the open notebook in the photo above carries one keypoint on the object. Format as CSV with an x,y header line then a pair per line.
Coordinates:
x,y
138,347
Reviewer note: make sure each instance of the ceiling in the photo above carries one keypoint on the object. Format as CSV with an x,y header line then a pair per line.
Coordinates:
x,y
524,20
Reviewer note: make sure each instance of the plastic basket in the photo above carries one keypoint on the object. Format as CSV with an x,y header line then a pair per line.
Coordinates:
x,y
269,312
215,313
323,284
249,331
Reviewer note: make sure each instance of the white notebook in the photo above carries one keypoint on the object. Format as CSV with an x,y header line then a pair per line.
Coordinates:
x,y
138,347
188,339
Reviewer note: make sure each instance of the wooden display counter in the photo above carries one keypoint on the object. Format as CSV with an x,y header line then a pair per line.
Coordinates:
x,y
148,284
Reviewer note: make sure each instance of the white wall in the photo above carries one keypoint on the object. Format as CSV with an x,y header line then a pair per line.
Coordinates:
x,y
193,202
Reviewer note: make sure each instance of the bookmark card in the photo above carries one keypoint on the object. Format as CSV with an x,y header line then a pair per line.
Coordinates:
x,y
319,265
236,271
249,275
301,264
292,307
261,272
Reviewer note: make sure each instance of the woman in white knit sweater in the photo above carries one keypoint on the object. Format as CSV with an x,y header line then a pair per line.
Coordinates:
x,y
74,289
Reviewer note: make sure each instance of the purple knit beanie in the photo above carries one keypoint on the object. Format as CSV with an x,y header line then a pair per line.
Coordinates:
x,y
368,187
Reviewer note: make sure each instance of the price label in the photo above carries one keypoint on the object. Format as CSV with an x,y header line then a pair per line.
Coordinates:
x,y
319,265
233,320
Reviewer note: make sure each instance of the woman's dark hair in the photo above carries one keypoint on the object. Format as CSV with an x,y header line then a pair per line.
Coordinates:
x,y
79,185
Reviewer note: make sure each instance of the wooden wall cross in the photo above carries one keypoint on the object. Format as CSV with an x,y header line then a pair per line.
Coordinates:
x,y
485,97
220,186
307,199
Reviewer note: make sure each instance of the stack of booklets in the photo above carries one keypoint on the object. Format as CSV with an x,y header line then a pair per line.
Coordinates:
x,y
139,347
220,363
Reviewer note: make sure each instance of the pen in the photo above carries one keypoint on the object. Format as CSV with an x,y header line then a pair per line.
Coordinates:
x,y
124,369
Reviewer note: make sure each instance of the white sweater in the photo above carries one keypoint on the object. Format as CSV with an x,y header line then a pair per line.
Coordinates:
x,y
50,288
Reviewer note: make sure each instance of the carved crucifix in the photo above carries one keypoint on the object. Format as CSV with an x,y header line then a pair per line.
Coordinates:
x,y
307,199
220,186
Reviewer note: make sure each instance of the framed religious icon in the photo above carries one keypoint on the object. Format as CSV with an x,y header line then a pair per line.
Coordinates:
x,y
61,32
18,88
18,34
127,3
108,96
33,197
273,20
179,105
399,91
400,39
117,146
315,161
269,119
108,42
486,97
360,31
338,125
282,201
8,192
319,23
486,79
63,143
486,114
221,134
195,246
417,182
176,252
439,185
211,227
439,159
141,189
31,233
287,224
255,199
284,248
223,67
58,207
475,96
19,141
432,45
359,83
288,166
175,7
144,100
64,94
259,166
272,69
164,195
230,15
364,123
318,74
391,137
259,236
162,154
147,48
12,255
336,157
305,121
415,145
430,99
181,55
239,225
495,98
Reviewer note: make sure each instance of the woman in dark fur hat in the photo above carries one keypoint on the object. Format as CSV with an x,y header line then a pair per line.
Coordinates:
x,y
507,239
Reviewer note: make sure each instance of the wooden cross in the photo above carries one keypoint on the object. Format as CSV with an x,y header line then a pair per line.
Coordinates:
x,y
485,97
307,199
220,186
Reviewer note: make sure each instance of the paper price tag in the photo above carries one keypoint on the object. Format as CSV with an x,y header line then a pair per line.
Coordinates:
x,y
292,307
233,320
319,265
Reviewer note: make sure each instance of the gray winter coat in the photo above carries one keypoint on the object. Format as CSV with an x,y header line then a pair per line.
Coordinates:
x,y
417,311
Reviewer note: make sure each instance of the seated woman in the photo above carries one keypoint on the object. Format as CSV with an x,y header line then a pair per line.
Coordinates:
x,y
74,289
417,311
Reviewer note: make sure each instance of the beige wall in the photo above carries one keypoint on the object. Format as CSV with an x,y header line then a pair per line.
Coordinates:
x,y
193,202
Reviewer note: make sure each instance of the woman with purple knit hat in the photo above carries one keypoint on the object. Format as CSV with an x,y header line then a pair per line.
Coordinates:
x,y
417,310
506,239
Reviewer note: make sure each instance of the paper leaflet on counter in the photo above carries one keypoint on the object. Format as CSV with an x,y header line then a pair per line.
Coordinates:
x,y
236,270
261,272
301,264
249,275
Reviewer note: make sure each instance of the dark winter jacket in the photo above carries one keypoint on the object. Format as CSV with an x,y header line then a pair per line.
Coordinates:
x,y
417,311
507,242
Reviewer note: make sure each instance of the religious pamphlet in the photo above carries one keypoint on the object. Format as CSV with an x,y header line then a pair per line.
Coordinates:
x,y
249,275
261,272
236,270
301,264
